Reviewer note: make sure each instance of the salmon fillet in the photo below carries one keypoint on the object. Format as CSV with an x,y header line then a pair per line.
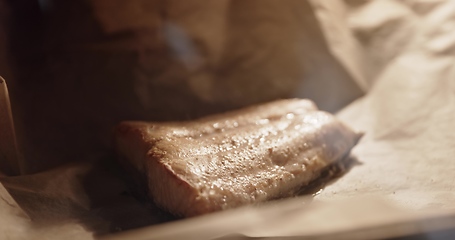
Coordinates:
x,y
228,160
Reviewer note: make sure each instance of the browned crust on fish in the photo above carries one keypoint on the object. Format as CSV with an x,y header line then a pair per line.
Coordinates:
x,y
241,157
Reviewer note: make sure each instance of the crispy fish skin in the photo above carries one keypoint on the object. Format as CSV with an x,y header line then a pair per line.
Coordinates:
x,y
228,160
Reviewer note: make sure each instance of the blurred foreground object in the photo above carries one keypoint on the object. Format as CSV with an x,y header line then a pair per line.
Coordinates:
x,y
356,218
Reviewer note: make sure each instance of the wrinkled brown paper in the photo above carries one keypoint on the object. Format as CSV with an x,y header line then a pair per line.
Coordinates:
x,y
403,58
408,116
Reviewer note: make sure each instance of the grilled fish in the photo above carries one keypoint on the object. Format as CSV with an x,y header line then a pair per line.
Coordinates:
x,y
246,156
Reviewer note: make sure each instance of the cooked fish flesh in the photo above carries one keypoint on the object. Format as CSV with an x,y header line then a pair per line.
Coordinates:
x,y
228,160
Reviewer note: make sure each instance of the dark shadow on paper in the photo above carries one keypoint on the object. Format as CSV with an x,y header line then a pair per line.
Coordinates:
x,y
113,199
330,175
91,193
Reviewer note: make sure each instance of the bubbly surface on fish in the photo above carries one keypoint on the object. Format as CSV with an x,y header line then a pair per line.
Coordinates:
x,y
241,157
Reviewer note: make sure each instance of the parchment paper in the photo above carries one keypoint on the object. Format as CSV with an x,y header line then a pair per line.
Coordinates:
x,y
408,117
403,58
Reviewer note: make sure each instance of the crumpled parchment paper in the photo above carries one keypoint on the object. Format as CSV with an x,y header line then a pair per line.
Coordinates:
x,y
403,58
407,151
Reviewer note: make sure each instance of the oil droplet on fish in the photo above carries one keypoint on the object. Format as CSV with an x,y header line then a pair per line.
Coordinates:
x,y
318,192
